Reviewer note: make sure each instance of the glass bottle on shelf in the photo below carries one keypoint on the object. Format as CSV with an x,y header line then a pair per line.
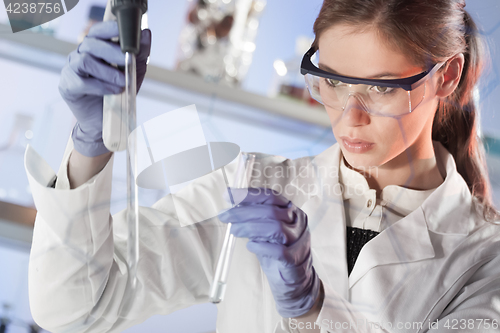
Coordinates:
x,y
287,81
217,42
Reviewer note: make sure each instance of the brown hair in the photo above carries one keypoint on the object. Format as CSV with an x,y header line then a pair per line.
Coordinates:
x,y
431,31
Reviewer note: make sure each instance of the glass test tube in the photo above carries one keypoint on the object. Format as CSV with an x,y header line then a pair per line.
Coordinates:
x,y
242,179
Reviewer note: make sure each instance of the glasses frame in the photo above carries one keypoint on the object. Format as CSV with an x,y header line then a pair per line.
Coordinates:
x,y
407,83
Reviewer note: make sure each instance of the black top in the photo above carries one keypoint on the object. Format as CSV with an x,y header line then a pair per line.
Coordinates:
x,y
356,239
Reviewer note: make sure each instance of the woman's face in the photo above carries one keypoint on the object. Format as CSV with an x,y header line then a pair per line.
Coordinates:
x,y
363,54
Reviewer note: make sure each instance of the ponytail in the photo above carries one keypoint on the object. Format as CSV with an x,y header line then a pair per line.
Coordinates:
x,y
456,125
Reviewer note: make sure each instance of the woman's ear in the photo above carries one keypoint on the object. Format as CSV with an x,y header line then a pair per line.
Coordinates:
x,y
450,76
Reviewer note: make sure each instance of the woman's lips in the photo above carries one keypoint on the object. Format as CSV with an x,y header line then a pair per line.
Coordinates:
x,y
356,145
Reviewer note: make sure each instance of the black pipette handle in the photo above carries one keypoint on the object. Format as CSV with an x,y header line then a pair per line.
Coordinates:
x,y
128,14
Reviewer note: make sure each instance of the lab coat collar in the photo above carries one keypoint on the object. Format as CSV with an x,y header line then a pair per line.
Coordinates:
x,y
445,211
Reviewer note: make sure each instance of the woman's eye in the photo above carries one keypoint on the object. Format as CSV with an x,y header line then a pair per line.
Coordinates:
x,y
333,82
382,89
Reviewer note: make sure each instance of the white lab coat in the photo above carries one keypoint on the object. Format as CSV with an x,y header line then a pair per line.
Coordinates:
x,y
440,262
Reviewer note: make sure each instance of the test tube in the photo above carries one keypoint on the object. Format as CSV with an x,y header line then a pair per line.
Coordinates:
x,y
242,178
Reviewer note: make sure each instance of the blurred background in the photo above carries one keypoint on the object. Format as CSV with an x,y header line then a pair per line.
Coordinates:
x,y
237,60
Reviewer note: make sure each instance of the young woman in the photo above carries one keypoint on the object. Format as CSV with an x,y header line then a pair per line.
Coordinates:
x,y
408,244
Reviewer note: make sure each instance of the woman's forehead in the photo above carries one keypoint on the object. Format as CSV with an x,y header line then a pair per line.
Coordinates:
x,y
361,52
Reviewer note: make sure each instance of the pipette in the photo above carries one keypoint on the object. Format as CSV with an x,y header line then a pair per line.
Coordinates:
x,y
133,192
242,179
120,121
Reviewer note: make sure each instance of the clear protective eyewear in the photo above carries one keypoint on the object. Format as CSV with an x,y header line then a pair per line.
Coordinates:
x,y
388,98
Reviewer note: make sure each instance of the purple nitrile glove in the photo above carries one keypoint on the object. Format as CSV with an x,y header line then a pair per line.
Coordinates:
x,y
279,236
88,75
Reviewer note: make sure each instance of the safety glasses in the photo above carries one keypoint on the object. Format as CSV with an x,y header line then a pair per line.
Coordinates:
x,y
388,98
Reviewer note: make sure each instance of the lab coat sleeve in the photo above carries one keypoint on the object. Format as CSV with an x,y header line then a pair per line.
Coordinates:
x,y
72,247
77,271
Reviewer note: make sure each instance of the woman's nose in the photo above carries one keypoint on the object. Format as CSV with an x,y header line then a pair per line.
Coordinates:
x,y
355,112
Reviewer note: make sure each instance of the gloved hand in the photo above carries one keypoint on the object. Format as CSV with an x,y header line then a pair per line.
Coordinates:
x,y
88,75
279,236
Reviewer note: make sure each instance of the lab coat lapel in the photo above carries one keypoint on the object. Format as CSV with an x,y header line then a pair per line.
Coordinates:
x,y
328,242
319,195
405,241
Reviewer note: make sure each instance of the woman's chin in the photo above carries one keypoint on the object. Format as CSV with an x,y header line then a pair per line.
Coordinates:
x,y
360,162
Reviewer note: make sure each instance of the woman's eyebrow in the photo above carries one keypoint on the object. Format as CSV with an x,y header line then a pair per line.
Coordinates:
x,y
378,76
